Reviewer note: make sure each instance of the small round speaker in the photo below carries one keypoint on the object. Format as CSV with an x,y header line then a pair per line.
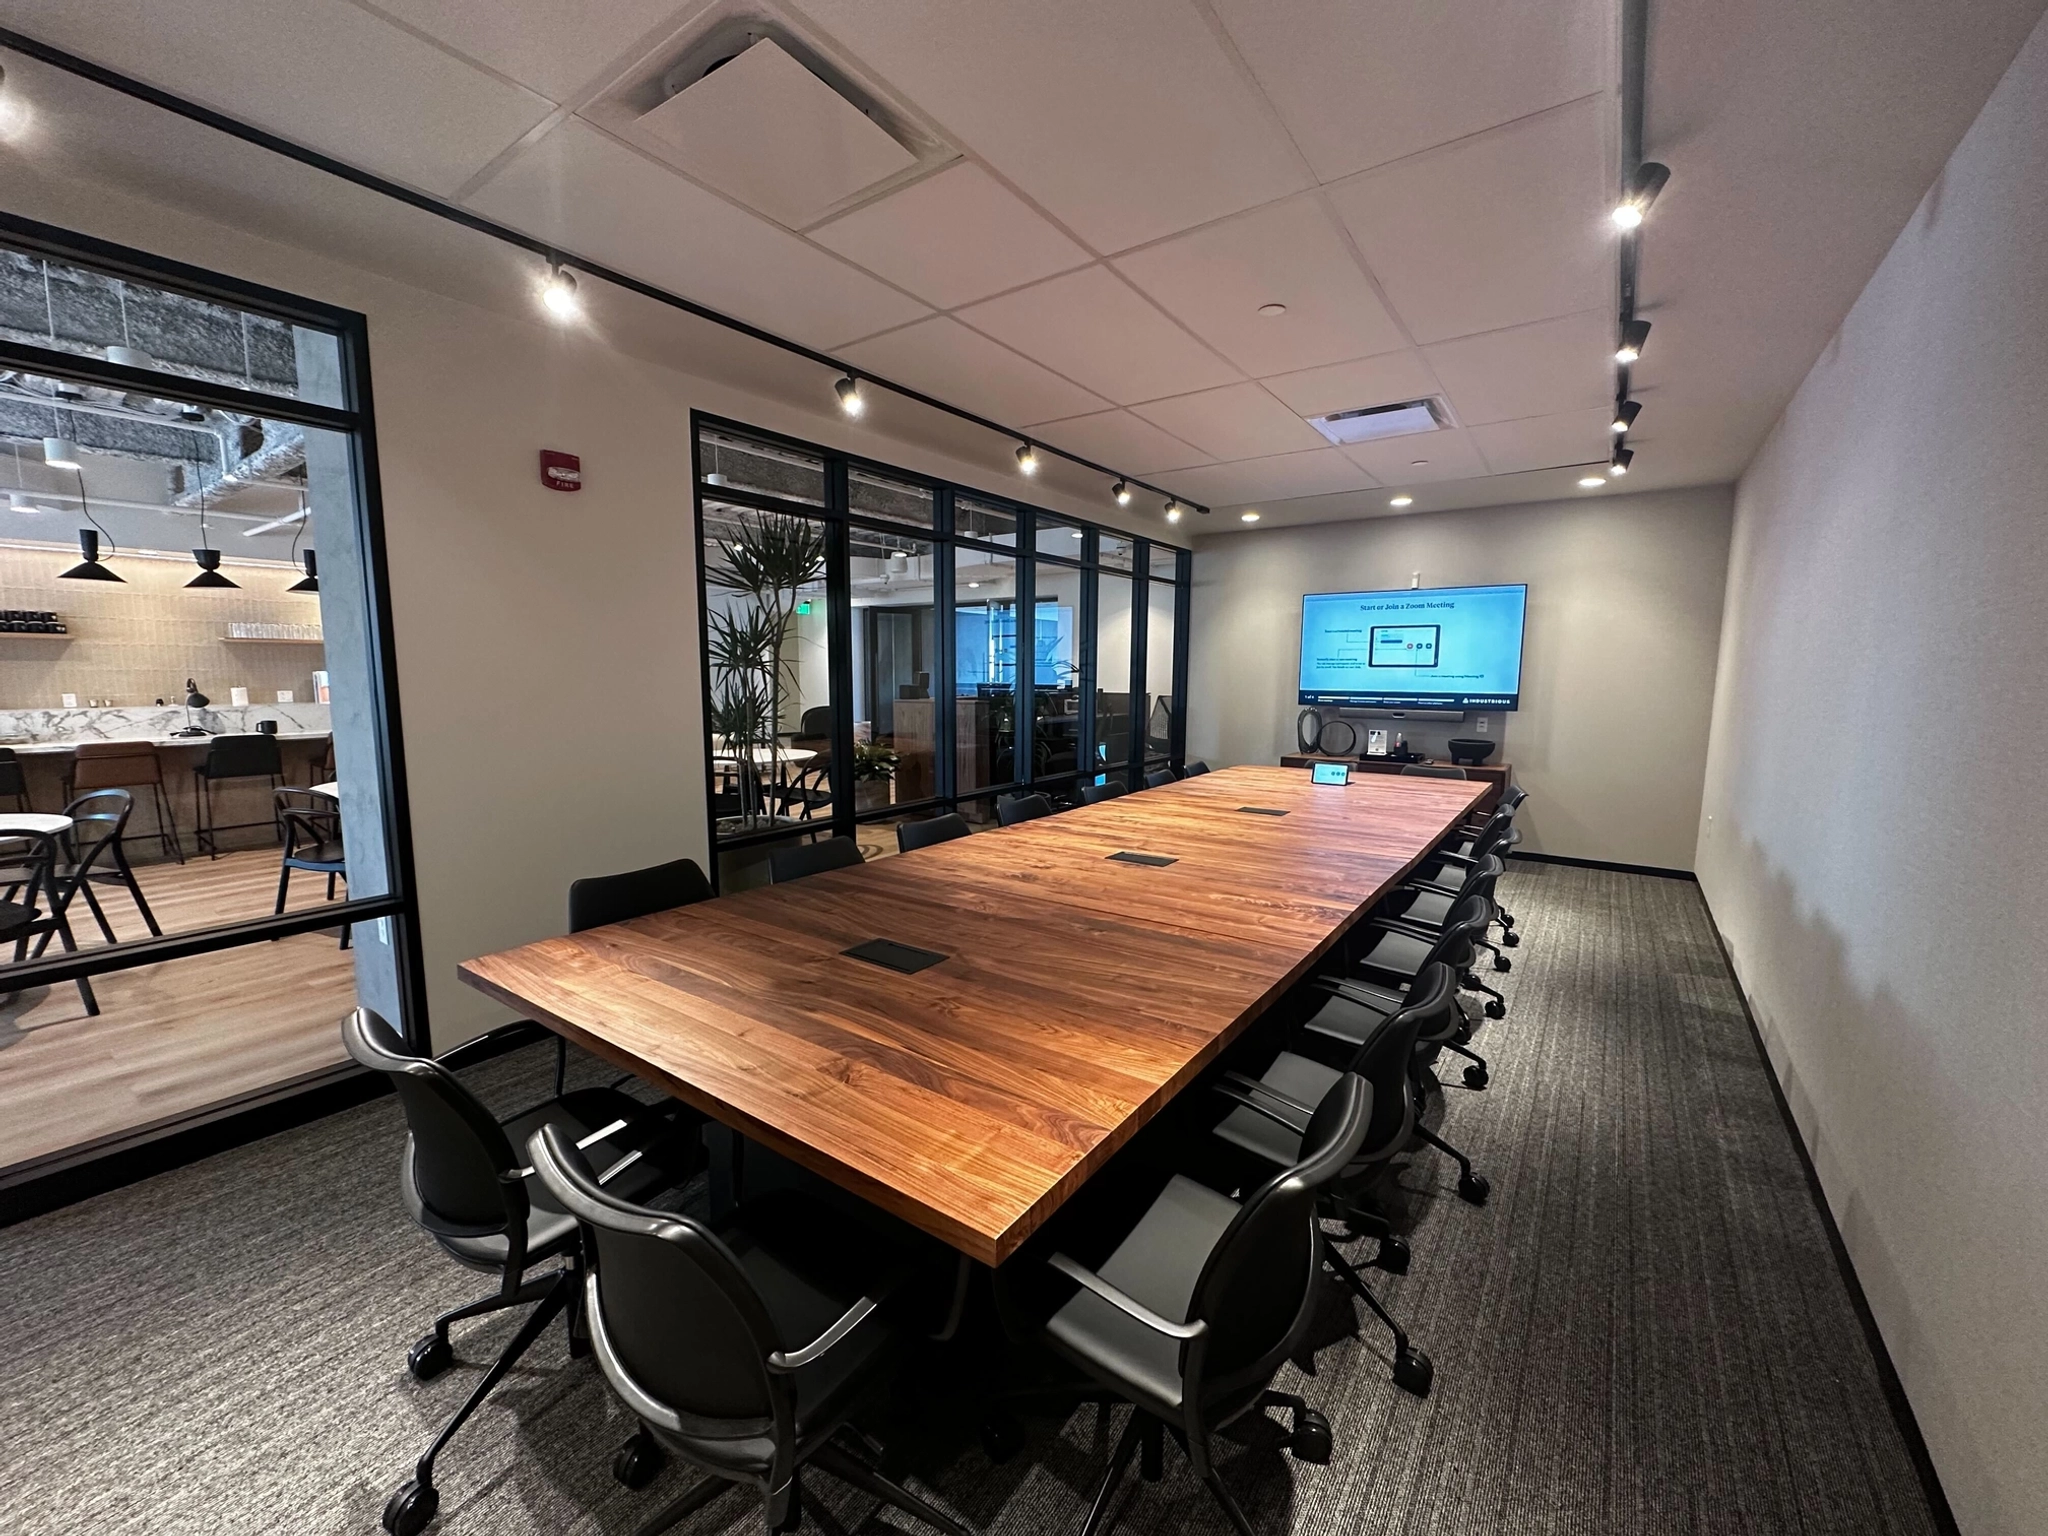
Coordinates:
x,y
1337,738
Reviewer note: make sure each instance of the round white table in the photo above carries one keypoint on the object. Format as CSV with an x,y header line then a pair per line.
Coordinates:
x,y
33,821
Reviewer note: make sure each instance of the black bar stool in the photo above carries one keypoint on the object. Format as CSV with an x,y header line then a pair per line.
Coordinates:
x,y
126,765
232,757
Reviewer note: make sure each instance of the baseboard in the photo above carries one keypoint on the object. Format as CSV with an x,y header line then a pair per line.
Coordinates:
x,y
1887,1373
1625,869
81,1173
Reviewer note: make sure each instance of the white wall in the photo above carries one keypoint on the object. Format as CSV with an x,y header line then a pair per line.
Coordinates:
x,y
551,688
1874,839
1618,664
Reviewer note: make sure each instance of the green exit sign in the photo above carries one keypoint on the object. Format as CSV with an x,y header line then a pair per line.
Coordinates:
x,y
804,606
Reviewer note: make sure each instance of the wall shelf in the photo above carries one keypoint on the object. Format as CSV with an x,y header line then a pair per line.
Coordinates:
x,y
30,634
258,640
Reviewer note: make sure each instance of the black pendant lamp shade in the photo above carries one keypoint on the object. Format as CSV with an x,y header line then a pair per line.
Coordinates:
x,y
88,569
310,582
209,570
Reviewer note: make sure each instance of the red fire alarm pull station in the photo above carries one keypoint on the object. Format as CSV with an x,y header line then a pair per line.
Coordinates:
x,y
560,471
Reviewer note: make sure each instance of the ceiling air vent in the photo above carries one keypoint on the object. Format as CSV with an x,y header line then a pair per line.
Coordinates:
x,y
756,122
1370,422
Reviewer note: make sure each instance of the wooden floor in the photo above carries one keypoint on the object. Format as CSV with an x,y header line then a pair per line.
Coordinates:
x,y
175,1039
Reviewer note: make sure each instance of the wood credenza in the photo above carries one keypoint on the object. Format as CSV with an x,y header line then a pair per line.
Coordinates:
x,y
1496,776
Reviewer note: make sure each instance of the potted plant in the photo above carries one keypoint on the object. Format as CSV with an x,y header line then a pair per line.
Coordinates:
x,y
874,772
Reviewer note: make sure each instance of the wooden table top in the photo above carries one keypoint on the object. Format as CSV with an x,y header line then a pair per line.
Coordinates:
x,y
1078,995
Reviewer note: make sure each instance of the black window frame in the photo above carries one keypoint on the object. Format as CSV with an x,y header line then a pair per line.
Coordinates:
x,y
356,420
838,518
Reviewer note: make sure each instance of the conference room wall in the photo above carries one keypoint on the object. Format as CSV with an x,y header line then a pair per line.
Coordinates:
x,y
550,680
1873,840
1618,667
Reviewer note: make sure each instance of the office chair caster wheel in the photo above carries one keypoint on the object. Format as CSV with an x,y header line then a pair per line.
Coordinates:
x,y
1001,1439
1503,963
1311,1441
1473,1188
1475,1076
1414,1372
429,1357
638,1462
1496,1009
1469,980
411,1509
1393,1255
1511,939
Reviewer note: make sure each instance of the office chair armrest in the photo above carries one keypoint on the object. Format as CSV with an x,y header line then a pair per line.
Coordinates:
x,y
796,1359
1444,856
1239,1089
1408,926
1338,987
490,1043
1130,1306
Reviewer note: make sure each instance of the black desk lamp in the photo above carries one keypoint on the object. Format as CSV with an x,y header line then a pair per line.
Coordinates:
x,y
194,699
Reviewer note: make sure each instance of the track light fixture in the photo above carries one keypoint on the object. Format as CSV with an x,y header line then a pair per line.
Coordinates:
x,y
1027,459
558,293
850,401
1625,414
1172,510
1122,492
1643,188
1618,465
1634,334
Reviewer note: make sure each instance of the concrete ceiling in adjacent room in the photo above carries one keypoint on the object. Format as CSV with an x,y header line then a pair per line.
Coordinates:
x,y
1079,217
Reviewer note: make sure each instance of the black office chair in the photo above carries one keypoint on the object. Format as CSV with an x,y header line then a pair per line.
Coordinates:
x,y
312,842
1192,1315
1448,868
597,900
1095,794
96,854
1158,778
787,864
463,1183
36,899
1197,766
1431,771
1274,1112
912,835
13,779
253,756
741,1347
1020,808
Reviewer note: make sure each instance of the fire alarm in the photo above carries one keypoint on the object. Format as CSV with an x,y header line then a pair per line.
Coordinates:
x,y
560,471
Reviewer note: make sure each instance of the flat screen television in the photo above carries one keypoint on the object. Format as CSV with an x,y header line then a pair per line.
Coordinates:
x,y
1419,648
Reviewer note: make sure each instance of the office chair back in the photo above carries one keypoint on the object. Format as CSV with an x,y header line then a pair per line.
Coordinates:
x,y
1385,1058
1432,771
253,756
1257,1292
1482,876
912,835
1022,808
677,1324
1095,794
1466,922
1197,766
787,864
1158,778
459,1161
600,899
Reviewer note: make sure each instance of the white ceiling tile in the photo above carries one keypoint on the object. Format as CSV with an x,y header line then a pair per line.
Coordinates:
x,y
1096,329
588,193
1362,82
1215,279
1239,421
409,110
1544,442
1122,441
1445,455
1531,370
953,238
1497,230
1316,473
558,47
945,359
1125,122
1384,380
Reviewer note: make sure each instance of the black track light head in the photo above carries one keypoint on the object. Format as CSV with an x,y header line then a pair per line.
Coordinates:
x,y
1625,414
1027,459
850,401
1643,188
1618,465
1634,334
1122,492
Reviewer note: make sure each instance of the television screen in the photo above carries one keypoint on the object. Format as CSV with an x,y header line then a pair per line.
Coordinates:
x,y
1424,648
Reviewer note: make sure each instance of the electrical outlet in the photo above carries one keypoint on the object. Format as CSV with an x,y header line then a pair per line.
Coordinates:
x,y
1479,725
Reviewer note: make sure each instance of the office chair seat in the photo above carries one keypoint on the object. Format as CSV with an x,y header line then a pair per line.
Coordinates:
x,y
1302,1080
1396,954
1158,1264
1431,906
549,1228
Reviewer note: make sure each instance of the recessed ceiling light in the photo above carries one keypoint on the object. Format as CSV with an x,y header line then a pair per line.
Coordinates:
x,y
1248,517
1592,482
1077,533
974,584
1401,501
1270,310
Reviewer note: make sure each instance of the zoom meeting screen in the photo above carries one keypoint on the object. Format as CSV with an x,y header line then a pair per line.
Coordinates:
x,y
1429,648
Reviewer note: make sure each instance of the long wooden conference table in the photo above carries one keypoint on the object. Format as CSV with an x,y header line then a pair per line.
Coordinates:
x,y
1077,992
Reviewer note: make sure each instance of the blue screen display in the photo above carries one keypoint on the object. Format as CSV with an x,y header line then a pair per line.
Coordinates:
x,y
1426,648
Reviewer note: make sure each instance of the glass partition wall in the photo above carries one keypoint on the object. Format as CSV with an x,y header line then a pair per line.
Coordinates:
x,y
869,636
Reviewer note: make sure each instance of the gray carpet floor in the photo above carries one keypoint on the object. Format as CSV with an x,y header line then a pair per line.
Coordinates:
x,y
1643,1330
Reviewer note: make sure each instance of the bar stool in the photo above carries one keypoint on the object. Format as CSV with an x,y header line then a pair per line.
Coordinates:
x,y
13,781
232,757
125,765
